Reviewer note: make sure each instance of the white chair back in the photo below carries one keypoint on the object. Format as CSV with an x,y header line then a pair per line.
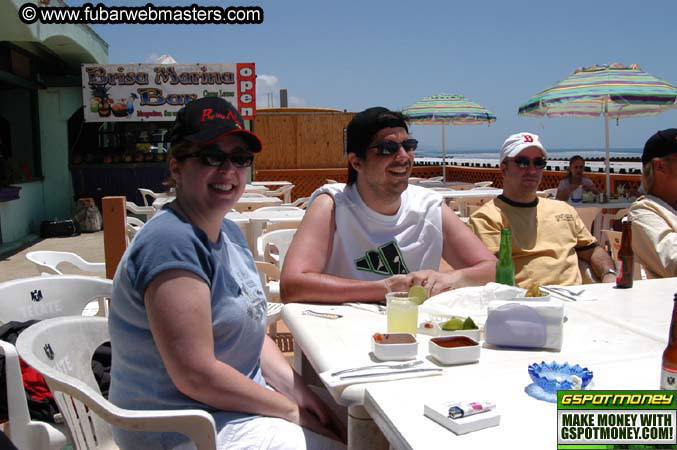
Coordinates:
x,y
290,224
41,298
45,297
132,227
283,192
147,211
61,350
301,202
278,239
47,262
145,193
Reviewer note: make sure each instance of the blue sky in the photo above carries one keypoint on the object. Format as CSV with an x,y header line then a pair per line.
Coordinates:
x,y
352,55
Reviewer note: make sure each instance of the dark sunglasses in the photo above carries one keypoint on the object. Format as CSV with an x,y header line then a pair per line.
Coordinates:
x,y
387,148
214,157
523,162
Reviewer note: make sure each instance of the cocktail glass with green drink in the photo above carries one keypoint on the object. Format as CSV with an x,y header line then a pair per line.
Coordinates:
x,y
402,312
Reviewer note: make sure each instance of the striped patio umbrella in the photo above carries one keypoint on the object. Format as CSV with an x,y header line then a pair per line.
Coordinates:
x,y
616,91
445,110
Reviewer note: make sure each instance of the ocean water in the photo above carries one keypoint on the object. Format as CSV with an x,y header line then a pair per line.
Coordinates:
x,y
552,154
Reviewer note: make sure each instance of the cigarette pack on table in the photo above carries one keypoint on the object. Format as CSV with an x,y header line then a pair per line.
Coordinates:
x,y
439,412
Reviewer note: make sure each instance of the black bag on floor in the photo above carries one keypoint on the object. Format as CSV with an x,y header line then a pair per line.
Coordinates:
x,y
58,227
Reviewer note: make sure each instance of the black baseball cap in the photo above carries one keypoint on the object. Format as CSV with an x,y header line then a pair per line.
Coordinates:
x,y
209,118
364,125
663,143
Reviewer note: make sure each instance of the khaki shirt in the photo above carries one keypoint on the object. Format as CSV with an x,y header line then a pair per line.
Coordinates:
x,y
545,236
654,236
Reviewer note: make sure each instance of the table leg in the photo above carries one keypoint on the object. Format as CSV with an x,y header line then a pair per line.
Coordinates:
x,y
363,433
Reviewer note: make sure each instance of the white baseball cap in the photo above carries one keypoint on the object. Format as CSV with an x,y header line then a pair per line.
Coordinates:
x,y
518,142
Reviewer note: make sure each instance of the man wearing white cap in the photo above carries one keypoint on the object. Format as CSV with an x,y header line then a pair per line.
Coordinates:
x,y
548,236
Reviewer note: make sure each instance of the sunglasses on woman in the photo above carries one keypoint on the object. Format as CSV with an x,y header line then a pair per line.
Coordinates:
x,y
523,162
387,148
213,157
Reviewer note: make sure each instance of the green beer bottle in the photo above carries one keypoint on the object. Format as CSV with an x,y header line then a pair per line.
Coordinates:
x,y
505,267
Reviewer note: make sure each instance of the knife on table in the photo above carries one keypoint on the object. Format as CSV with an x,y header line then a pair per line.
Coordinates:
x,y
429,369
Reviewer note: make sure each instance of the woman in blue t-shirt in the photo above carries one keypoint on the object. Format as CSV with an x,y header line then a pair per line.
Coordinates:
x,y
188,314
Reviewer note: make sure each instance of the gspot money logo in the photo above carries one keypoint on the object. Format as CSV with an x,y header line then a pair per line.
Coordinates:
x,y
616,419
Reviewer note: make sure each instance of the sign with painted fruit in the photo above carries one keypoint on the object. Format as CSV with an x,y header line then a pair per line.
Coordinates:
x,y
154,92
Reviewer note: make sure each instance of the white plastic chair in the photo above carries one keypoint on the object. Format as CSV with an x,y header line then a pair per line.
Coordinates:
x,y
279,239
435,178
283,192
145,193
61,350
132,227
301,202
270,280
147,211
47,262
32,299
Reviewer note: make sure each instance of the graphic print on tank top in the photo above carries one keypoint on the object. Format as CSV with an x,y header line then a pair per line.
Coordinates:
x,y
386,260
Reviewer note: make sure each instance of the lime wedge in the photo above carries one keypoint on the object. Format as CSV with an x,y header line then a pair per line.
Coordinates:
x,y
418,293
469,324
453,324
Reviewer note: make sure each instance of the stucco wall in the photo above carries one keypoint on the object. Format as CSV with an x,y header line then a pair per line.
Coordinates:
x,y
56,106
19,218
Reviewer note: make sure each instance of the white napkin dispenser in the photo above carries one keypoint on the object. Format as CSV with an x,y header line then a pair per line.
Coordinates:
x,y
532,324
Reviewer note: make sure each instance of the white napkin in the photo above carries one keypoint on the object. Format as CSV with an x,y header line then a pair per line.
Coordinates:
x,y
392,374
468,301
551,313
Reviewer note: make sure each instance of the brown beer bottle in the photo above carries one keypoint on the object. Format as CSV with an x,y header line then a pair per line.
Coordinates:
x,y
625,255
669,370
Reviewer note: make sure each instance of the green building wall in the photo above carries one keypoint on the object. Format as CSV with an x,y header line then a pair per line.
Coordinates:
x,y
53,196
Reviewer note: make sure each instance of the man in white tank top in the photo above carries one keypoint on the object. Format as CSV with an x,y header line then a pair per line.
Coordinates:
x,y
378,232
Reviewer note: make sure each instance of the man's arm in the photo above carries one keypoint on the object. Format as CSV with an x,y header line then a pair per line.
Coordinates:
x,y
474,264
600,263
302,279
654,242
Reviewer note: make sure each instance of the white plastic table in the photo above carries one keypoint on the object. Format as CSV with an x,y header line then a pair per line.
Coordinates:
x,y
526,423
594,336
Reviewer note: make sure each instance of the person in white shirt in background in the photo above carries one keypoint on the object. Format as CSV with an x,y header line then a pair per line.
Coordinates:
x,y
654,215
574,179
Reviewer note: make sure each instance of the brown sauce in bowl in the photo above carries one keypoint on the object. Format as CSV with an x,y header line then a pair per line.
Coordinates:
x,y
454,341
394,338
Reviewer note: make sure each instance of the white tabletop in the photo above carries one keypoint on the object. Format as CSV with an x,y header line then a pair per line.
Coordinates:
x,y
645,308
397,407
471,193
588,336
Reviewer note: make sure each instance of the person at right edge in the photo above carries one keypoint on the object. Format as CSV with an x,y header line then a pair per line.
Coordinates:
x,y
548,236
654,215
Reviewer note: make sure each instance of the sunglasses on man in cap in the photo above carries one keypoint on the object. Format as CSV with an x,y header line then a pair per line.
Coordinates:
x,y
388,148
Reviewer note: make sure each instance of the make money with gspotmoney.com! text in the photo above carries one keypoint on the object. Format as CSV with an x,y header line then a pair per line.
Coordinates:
x,y
102,14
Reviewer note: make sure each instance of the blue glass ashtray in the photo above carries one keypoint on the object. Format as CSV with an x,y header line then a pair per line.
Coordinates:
x,y
552,377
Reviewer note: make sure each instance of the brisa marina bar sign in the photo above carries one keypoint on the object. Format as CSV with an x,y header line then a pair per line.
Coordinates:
x,y
142,92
